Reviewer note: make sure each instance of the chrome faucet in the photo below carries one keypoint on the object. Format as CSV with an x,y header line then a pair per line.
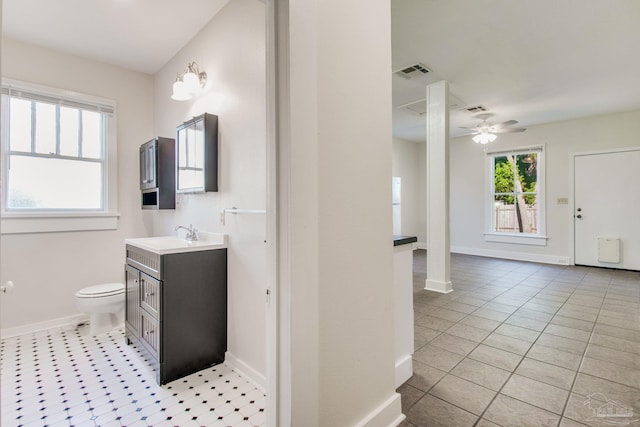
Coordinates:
x,y
191,232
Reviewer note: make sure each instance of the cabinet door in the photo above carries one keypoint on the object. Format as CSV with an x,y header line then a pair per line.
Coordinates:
x,y
148,165
150,289
133,316
150,335
190,159
197,155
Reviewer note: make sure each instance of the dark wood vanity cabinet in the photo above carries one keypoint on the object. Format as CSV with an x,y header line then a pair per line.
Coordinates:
x,y
157,173
176,309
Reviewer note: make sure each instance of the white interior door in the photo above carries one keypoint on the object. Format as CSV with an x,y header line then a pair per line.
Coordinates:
x,y
606,209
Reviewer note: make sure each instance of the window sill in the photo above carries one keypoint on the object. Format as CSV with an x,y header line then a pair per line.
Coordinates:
x,y
23,223
518,239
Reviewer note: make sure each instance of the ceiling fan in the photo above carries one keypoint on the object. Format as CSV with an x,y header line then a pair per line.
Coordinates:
x,y
485,132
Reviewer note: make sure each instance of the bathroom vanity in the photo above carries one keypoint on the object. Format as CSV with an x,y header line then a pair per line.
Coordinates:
x,y
176,303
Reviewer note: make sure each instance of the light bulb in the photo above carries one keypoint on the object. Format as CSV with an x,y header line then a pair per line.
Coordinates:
x,y
191,82
484,138
179,91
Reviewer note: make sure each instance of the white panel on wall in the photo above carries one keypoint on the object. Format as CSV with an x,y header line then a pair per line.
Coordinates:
x,y
608,250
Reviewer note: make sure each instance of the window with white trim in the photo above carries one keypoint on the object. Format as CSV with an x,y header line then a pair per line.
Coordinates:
x,y
58,158
516,196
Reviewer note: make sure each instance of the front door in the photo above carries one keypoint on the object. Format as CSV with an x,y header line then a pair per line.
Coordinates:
x,y
606,209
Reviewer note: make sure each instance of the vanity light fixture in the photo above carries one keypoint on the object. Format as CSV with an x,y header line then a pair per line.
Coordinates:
x,y
484,138
189,82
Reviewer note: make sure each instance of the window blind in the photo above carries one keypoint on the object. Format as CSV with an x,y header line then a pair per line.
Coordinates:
x,y
535,149
57,100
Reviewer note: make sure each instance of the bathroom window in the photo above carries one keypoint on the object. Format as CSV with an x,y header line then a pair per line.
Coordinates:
x,y
516,196
58,160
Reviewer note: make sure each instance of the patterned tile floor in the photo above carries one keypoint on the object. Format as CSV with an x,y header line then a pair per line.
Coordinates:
x,y
524,344
62,377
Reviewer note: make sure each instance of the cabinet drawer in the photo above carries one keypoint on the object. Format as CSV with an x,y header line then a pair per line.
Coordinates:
x,y
150,334
150,290
145,261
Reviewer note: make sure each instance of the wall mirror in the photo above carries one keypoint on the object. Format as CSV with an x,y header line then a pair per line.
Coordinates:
x,y
197,155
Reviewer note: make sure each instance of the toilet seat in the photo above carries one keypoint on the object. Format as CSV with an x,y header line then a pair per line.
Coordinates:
x,y
102,290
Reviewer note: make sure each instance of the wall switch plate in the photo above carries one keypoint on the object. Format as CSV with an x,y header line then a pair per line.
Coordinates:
x,y
563,201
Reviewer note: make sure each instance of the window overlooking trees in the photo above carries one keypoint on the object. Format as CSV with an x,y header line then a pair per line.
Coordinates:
x,y
517,192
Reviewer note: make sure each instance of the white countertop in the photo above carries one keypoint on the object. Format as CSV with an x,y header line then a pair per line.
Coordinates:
x,y
175,244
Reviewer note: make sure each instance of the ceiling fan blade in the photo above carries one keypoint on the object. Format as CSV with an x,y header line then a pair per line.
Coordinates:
x,y
504,124
509,130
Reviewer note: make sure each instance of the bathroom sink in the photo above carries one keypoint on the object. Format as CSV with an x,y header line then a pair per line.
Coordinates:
x,y
174,244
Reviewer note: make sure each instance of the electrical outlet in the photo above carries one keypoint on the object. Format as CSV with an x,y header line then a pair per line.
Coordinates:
x,y
563,201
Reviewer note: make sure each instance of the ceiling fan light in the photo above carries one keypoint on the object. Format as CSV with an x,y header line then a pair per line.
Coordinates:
x,y
484,138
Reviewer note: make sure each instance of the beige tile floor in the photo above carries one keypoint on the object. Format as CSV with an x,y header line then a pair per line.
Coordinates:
x,y
524,344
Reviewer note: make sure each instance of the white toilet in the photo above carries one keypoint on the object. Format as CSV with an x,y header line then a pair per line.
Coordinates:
x,y
104,304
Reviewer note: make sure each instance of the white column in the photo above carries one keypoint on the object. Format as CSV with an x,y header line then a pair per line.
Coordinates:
x,y
438,255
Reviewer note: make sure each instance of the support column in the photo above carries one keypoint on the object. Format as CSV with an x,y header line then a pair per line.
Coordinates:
x,y
438,255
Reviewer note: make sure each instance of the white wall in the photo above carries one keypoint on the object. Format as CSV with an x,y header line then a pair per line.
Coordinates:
x,y
561,139
48,268
408,164
231,50
340,227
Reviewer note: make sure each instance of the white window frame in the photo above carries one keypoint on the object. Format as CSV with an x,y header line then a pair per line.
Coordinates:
x,y
42,221
534,239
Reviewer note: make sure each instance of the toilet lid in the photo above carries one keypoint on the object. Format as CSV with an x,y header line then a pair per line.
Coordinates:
x,y
102,290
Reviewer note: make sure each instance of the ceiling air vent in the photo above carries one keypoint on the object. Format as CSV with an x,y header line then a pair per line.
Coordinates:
x,y
413,71
476,109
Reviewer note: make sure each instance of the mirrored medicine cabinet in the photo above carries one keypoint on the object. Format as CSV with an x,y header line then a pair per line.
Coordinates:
x,y
197,155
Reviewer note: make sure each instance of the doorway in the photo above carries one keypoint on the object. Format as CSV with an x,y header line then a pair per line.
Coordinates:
x,y
606,206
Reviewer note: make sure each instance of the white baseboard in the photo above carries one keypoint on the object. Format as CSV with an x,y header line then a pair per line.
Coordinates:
x,y
404,370
438,286
518,256
43,326
388,414
250,374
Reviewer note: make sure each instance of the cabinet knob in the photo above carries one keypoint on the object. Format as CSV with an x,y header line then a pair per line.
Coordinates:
x,y
149,294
